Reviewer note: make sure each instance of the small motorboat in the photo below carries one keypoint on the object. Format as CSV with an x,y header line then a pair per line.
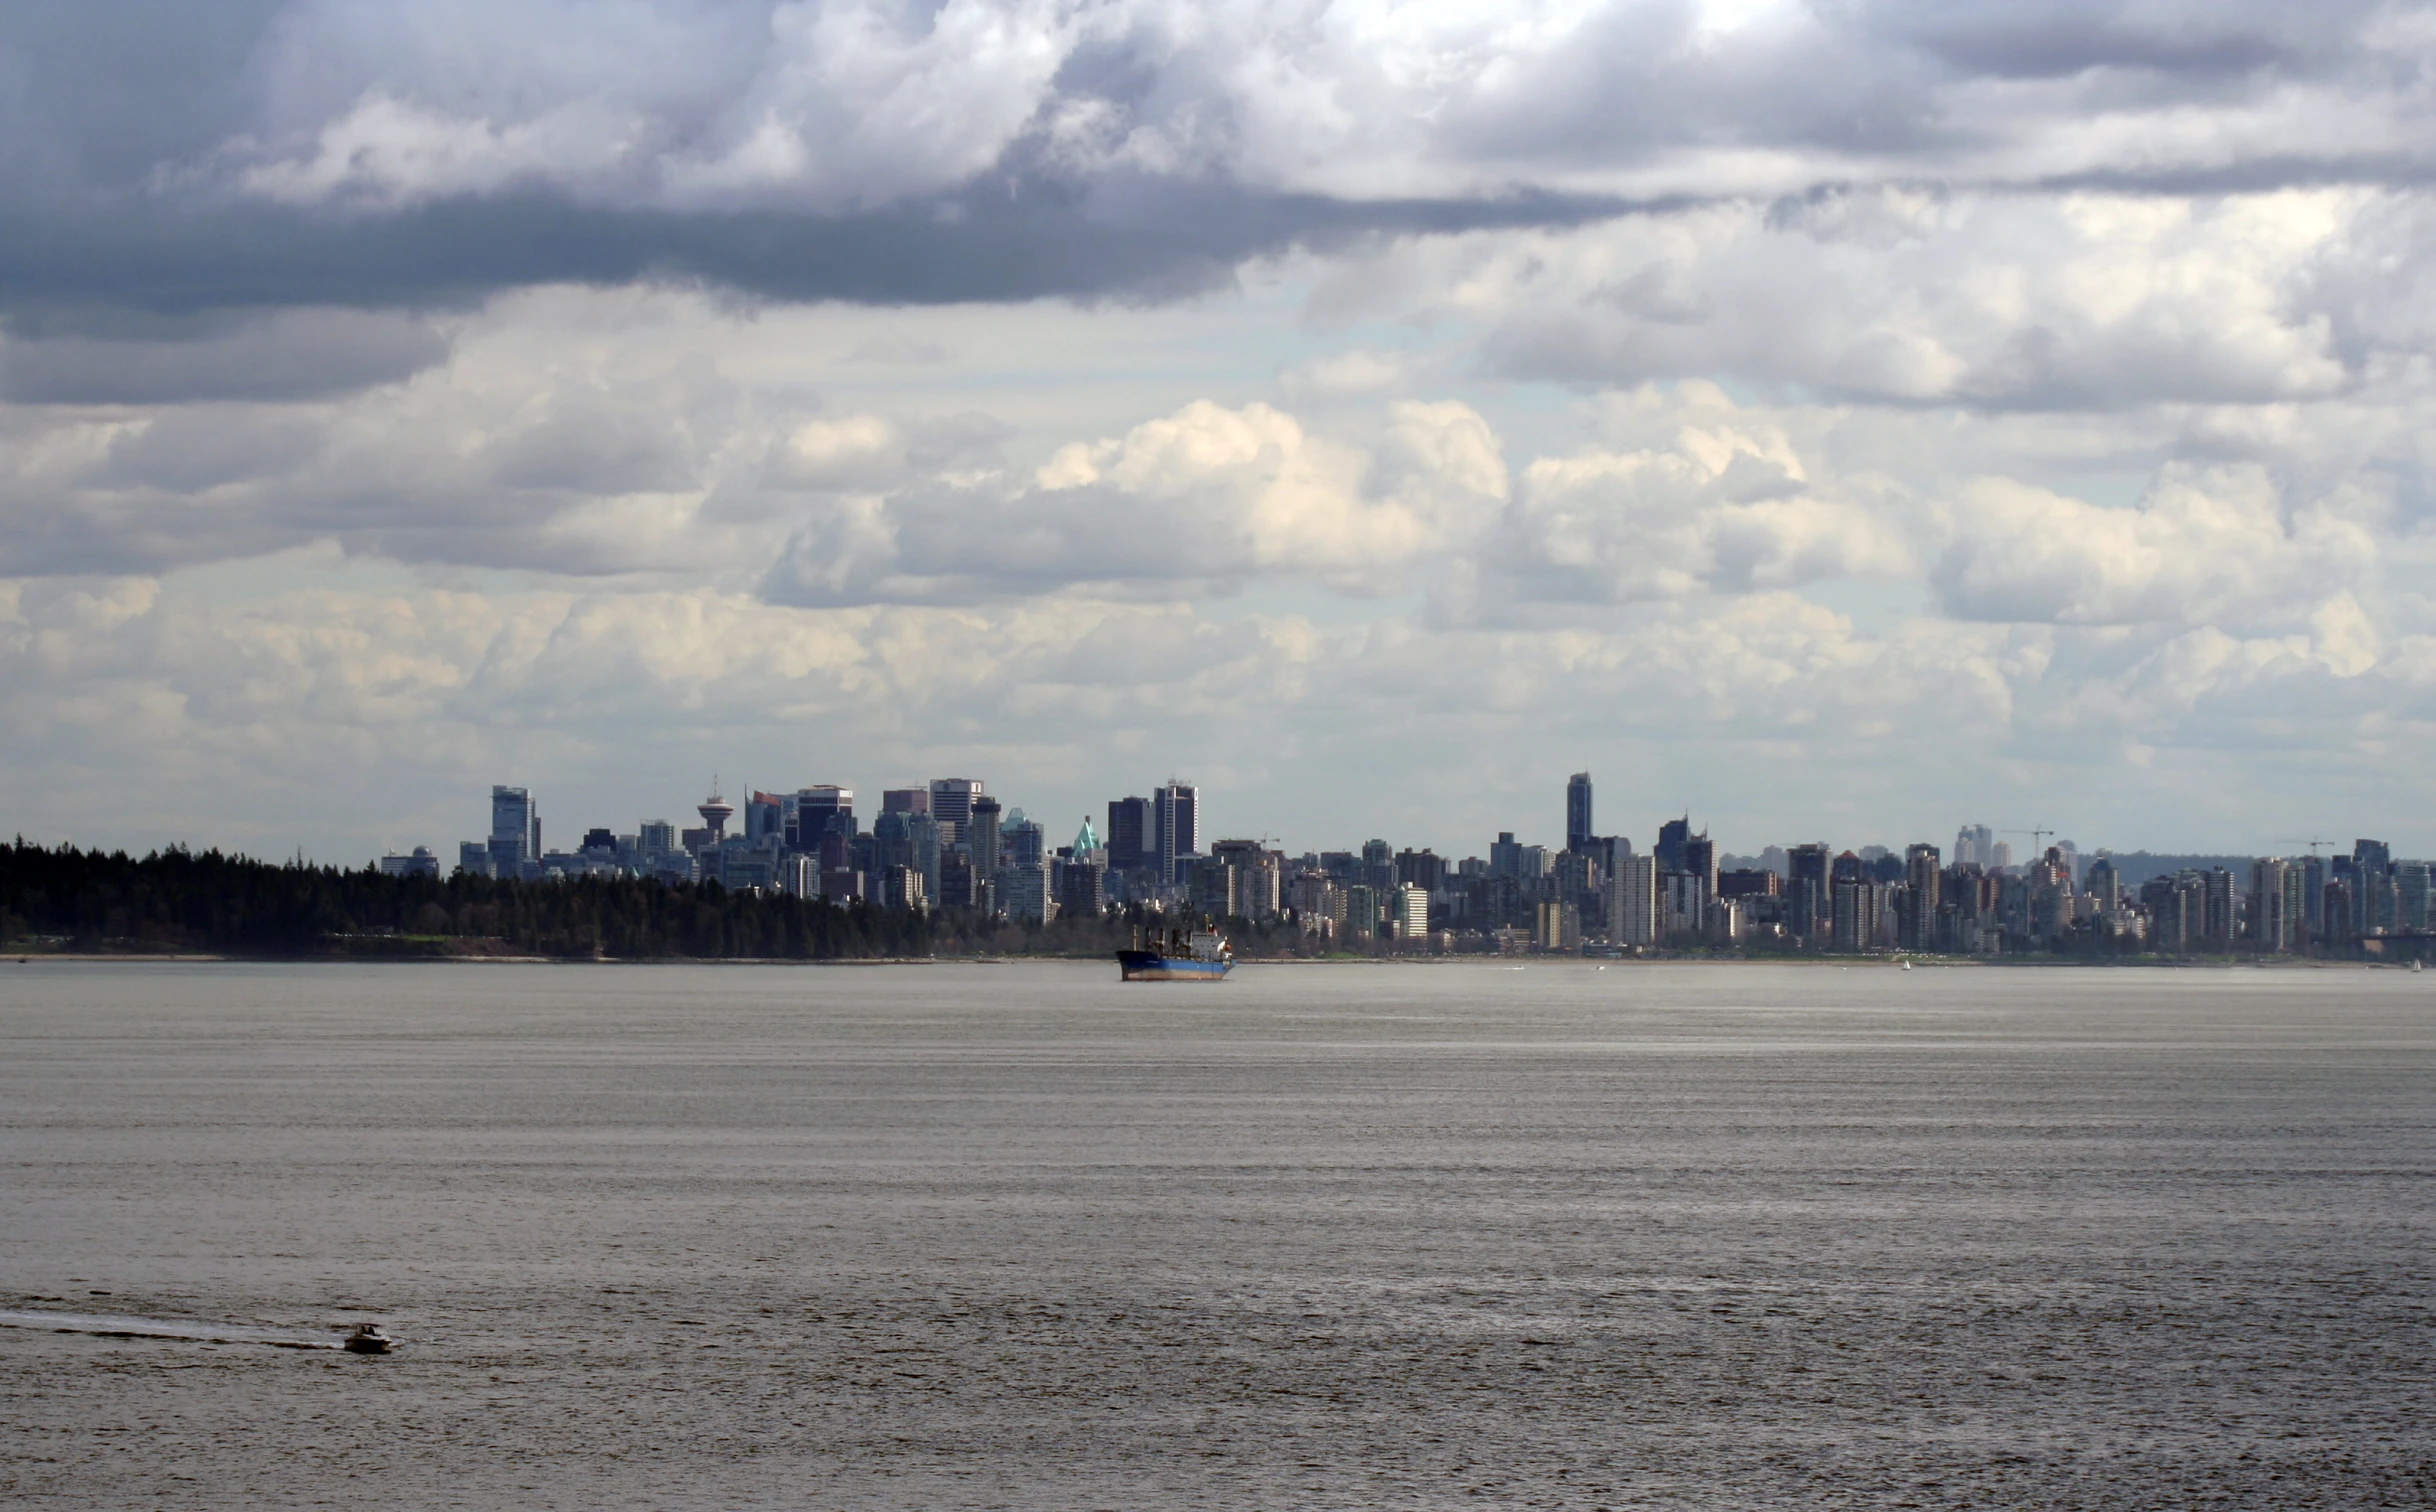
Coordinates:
x,y
367,1339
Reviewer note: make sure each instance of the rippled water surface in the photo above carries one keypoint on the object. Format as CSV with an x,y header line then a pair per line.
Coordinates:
x,y
1454,1236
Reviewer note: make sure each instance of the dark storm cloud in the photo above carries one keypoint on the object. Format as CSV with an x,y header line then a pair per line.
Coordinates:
x,y
282,355
1127,150
72,272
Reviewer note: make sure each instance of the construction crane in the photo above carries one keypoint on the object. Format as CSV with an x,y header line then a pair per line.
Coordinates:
x,y
2038,840
2312,843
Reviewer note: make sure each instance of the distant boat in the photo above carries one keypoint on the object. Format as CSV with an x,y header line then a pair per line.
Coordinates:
x,y
367,1340
1202,956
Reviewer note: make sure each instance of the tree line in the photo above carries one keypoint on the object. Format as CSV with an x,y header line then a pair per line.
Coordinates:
x,y
181,900
65,899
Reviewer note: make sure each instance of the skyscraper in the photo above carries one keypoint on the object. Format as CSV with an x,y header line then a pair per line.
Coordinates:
x,y
951,803
1811,900
1921,897
982,841
1671,837
820,810
1129,832
1632,902
512,830
1175,826
1577,813
1975,845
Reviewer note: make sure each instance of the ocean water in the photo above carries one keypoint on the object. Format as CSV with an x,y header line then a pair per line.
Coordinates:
x,y
968,1236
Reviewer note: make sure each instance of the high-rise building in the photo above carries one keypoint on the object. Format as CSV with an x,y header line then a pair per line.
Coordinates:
x,y
2216,908
1632,901
1175,826
821,810
515,831
1811,901
983,841
1253,883
1505,857
914,800
1129,832
1026,842
1699,857
2104,884
1922,896
892,843
951,803
1854,926
1671,838
765,818
1379,866
1577,813
926,852
2411,896
474,858
901,887
2269,927
1409,911
1975,845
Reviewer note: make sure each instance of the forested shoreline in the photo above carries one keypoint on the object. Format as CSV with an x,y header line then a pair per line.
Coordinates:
x,y
70,901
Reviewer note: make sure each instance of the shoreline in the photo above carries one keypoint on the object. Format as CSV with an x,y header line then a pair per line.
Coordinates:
x,y
1508,963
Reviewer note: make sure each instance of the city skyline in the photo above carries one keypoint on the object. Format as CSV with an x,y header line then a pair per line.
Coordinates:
x,y
1812,417
949,846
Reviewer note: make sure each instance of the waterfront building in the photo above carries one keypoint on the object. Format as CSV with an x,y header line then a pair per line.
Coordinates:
x,y
1855,911
820,811
1672,836
983,841
515,831
901,887
951,805
1129,834
1175,822
1632,902
1811,901
1578,829
2411,897
1364,909
1923,897
2270,924
1408,911
418,862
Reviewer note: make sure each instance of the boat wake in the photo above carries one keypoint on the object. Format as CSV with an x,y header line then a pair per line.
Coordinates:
x,y
110,1326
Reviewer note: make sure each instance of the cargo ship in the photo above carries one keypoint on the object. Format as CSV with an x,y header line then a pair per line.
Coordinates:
x,y
1201,956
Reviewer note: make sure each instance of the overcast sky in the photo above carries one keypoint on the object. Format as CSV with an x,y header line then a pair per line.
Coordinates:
x,y
1840,421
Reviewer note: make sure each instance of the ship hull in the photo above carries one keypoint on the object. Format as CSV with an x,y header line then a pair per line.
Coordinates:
x,y
1150,966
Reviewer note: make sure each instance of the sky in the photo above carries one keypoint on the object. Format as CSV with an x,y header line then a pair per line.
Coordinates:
x,y
1838,421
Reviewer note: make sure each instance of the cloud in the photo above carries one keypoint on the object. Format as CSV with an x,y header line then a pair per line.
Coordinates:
x,y
1909,297
2202,547
1209,497
279,355
1719,503
344,152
